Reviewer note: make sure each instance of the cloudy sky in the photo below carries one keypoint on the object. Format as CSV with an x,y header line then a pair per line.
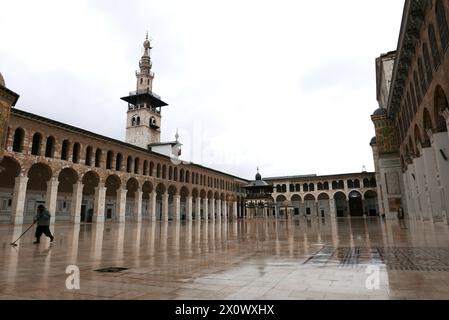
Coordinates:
x,y
288,86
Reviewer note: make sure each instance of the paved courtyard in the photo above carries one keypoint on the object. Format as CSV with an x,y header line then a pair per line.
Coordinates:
x,y
299,259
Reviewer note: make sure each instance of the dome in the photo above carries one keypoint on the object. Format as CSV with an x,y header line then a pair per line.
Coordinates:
x,y
2,80
258,176
380,112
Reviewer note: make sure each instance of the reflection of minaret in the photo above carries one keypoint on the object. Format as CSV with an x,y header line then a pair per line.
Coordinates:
x,y
144,106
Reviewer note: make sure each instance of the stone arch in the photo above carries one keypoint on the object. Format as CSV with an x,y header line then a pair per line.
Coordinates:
x,y
90,181
324,204
112,184
281,198
132,186
195,193
440,104
67,178
427,124
38,175
9,170
323,196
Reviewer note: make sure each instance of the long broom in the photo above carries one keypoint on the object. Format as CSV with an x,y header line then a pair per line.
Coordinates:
x,y
14,243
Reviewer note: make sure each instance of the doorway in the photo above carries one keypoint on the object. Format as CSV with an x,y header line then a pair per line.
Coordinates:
x,y
355,204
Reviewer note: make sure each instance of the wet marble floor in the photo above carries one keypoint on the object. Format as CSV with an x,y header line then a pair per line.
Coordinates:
x,y
300,259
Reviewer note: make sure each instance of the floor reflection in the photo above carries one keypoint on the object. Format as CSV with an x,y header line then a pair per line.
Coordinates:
x,y
272,259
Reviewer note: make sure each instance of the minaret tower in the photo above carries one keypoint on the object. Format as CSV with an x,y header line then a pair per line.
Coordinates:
x,y
144,106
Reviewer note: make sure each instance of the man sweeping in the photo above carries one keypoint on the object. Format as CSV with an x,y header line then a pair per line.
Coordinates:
x,y
43,223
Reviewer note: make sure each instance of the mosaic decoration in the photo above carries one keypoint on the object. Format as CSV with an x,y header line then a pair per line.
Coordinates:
x,y
394,258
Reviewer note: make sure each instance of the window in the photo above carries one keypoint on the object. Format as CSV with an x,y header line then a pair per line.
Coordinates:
x,y
88,156
145,168
350,184
98,155
418,88
158,170
136,165
109,158
292,188
305,187
65,150
118,162
422,76
356,183
427,63
298,187
434,47
326,186
129,164
311,187
36,147
19,135
443,29
151,168
76,152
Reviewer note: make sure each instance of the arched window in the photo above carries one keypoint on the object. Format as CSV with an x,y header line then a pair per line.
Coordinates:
x,y
373,183
164,172
434,47
98,156
158,170
50,147
326,185
76,152
175,174
350,184
443,29
422,76
366,183
36,146
284,188
311,187
109,157
136,165
305,187
138,121
298,187
181,175
118,162
151,169
197,178
292,188
19,135
88,160
170,173
356,183
187,176
341,184
417,87
278,188
65,150
427,63
145,168
334,185
320,186
129,164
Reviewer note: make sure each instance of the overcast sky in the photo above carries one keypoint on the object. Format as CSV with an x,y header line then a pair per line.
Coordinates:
x,y
288,86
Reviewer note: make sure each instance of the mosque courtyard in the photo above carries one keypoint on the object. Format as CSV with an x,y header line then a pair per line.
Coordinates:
x,y
247,259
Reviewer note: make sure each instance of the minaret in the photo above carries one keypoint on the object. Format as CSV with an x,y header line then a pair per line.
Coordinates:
x,y
8,99
144,106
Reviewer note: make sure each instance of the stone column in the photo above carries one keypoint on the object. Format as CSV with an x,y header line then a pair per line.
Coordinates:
x,y
414,191
77,198
153,196
440,145
138,205
198,209
165,207
205,208
212,209
332,210
431,182
234,211
177,203
120,214
51,197
423,197
219,209
189,207
18,200
99,203
225,210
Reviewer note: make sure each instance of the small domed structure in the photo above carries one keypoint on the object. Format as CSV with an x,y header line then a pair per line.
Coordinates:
x,y
258,176
380,112
2,80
